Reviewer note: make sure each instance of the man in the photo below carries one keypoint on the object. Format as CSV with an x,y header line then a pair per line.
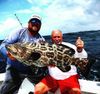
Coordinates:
x,y
16,71
66,81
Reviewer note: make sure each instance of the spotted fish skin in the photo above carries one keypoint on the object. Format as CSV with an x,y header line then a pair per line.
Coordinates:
x,y
43,54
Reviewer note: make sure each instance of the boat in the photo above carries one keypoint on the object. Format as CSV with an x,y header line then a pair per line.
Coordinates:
x,y
87,86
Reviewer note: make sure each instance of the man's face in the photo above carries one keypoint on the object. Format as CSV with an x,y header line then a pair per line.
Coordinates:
x,y
56,37
34,26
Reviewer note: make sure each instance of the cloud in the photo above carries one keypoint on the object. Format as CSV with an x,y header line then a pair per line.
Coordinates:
x,y
40,2
30,1
7,26
72,15
67,15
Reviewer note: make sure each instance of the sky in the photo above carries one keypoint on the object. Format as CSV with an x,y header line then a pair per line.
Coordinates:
x,y
66,15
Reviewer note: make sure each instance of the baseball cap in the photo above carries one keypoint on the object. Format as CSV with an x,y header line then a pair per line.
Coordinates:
x,y
35,18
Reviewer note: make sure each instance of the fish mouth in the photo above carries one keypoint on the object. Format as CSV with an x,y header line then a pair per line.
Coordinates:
x,y
33,56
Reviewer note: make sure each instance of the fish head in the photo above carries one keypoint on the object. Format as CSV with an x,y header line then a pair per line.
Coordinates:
x,y
23,52
16,50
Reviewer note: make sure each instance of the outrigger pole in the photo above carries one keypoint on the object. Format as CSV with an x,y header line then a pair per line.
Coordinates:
x,y
18,20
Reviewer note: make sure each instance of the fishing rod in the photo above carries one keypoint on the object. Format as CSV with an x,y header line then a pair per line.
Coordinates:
x,y
18,20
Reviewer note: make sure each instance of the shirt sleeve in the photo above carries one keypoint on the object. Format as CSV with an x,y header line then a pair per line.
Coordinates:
x,y
40,38
86,54
12,38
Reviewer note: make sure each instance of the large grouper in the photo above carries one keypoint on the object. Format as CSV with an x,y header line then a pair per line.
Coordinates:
x,y
44,54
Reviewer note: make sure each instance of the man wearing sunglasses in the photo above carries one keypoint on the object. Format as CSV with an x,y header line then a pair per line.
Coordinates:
x,y
16,71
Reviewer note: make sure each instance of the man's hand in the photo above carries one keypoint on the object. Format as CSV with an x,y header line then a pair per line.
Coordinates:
x,y
79,44
10,56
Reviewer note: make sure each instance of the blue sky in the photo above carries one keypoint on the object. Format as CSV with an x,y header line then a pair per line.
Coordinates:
x,y
66,15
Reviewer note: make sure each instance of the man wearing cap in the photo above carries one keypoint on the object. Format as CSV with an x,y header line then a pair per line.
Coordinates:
x,y
16,71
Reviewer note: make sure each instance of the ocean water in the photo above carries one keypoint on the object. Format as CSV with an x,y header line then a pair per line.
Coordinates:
x,y
92,46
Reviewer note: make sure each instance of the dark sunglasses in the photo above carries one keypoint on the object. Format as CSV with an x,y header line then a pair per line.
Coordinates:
x,y
34,21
